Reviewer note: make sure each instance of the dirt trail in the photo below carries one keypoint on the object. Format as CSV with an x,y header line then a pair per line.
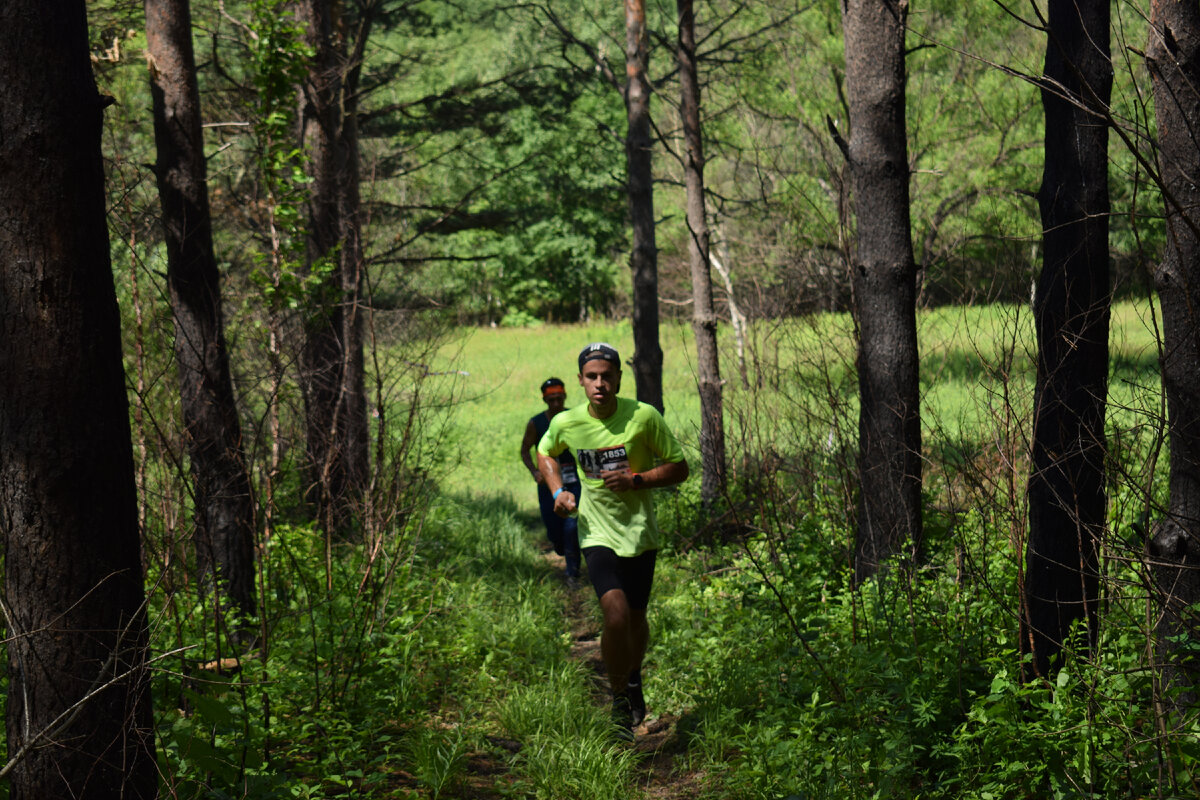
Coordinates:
x,y
656,739
660,773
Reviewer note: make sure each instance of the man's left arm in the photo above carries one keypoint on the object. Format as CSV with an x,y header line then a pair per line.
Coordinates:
x,y
668,473
672,470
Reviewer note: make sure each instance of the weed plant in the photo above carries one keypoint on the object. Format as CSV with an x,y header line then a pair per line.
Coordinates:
x,y
569,749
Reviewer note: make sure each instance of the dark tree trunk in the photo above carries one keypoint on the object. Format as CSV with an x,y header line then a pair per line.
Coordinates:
x,y
1066,486
704,319
885,286
224,507
332,357
73,594
1174,58
647,352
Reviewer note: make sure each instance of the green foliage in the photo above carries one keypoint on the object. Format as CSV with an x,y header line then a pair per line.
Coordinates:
x,y
279,61
786,680
349,695
437,758
569,750
493,164
504,177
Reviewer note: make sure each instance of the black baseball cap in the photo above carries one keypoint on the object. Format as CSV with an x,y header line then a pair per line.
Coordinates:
x,y
601,350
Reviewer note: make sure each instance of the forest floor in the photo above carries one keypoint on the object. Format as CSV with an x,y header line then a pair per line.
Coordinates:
x,y
661,773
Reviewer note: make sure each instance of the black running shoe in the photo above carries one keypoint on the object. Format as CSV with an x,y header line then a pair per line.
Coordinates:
x,y
637,704
622,717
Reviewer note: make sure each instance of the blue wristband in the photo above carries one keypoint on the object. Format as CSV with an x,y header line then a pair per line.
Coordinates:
x,y
557,492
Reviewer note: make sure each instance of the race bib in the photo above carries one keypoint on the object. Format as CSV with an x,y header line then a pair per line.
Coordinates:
x,y
606,459
568,473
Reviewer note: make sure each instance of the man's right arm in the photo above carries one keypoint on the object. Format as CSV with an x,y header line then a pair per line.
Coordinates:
x,y
565,502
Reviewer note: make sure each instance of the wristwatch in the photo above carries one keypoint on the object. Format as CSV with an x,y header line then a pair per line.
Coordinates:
x,y
638,480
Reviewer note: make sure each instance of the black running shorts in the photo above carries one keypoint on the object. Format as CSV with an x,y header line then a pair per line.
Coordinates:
x,y
633,575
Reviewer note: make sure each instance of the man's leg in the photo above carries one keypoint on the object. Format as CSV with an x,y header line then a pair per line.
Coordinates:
x,y
623,586
619,646
640,633
624,639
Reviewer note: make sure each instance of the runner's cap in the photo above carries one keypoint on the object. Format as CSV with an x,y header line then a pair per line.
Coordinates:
x,y
553,386
601,350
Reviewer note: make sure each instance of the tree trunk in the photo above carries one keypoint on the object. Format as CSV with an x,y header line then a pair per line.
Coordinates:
x,y
332,357
704,319
78,720
1066,486
1174,59
224,506
647,352
885,286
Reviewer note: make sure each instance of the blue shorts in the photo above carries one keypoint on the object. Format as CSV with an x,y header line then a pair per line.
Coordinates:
x,y
633,575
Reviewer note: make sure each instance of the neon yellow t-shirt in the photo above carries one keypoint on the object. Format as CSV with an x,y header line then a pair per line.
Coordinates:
x,y
635,437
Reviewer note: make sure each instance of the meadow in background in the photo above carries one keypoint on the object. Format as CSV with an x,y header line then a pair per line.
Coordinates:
x,y
800,376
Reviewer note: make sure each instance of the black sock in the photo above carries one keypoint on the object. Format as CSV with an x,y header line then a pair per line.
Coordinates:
x,y
635,677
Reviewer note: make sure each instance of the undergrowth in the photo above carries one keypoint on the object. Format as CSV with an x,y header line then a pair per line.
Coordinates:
x,y
467,661
794,683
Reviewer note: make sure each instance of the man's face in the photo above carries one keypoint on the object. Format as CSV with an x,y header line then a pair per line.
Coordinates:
x,y
555,401
601,380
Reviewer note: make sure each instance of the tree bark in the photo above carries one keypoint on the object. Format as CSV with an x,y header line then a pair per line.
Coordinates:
x,y
647,352
332,358
78,719
1066,486
704,319
224,506
1174,60
885,286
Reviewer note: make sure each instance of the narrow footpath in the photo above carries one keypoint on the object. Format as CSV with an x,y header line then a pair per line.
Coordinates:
x,y
661,773
656,739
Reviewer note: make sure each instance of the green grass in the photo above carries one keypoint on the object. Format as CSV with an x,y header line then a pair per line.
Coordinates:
x,y
569,747
972,359
365,697
499,393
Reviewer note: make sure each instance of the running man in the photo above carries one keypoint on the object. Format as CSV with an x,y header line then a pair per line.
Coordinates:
x,y
562,532
624,449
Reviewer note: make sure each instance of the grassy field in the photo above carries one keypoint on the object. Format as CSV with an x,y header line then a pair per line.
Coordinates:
x,y
500,370
972,359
